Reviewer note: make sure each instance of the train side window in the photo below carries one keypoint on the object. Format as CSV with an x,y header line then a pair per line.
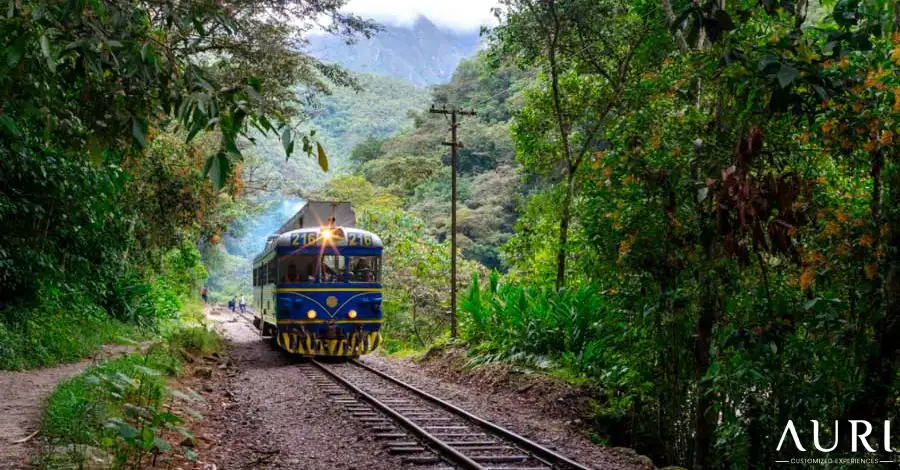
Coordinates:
x,y
272,274
365,269
297,268
255,277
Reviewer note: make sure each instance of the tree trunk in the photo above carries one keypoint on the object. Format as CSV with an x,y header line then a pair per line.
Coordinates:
x,y
704,418
564,230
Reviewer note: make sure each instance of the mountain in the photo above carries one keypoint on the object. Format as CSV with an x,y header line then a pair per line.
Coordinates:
x,y
380,110
422,54
341,120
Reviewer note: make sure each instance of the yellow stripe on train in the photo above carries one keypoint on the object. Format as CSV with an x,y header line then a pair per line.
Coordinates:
x,y
358,343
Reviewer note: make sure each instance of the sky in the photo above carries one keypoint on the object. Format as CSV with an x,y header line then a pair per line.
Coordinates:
x,y
456,15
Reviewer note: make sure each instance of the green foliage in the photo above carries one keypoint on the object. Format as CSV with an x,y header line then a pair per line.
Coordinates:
x,y
194,340
123,411
576,329
415,278
366,150
111,127
64,327
67,323
401,173
414,167
733,220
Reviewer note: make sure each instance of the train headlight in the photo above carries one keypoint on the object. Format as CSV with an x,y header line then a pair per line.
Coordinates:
x,y
311,314
351,314
326,234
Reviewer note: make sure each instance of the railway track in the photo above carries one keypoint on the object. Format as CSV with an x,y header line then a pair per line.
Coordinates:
x,y
425,430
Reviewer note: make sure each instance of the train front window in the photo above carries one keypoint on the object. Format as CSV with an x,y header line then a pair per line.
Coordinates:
x,y
365,269
297,268
333,268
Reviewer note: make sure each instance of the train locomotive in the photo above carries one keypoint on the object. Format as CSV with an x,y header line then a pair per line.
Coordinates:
x,y
316,287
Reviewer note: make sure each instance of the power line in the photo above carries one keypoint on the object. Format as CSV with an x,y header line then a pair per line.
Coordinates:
x,y
454,144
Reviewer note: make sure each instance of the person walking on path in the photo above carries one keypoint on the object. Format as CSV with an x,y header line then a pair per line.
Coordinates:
x,y
203,294
243,304
232,303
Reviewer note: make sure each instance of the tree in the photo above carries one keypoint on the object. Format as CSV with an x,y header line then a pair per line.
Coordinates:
x,y
590,49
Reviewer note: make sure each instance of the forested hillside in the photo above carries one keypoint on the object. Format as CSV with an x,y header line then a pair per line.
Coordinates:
x,y
421,54
413,168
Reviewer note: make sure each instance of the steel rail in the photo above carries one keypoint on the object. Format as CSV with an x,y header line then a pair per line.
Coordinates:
x,y
528,445
436,444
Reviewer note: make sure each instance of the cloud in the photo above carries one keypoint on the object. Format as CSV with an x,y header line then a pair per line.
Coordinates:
x,y
456,15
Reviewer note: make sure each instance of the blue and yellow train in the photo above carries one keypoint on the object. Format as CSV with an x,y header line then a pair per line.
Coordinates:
x,y
317,291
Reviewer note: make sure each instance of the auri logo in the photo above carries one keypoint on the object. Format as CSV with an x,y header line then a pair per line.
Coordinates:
x,y
859,433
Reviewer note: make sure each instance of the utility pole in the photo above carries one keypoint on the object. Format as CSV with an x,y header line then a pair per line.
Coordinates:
x,y
454,144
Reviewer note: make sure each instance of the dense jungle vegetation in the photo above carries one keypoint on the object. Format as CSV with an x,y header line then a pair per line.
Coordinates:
x,y
713,239
688,206
692,205
121,133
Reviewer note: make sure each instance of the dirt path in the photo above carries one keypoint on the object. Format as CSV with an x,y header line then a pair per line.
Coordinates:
x,y
24,395
268,414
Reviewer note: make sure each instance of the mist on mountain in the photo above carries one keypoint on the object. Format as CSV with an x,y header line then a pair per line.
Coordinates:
x,y
422,54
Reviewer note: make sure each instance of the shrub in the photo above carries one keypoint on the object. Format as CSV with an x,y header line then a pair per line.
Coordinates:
x,y
120,412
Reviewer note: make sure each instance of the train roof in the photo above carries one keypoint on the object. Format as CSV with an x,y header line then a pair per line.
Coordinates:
x,y
354,242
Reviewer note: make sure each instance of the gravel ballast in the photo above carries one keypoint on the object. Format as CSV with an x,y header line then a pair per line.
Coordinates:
x,y
268,414
527,410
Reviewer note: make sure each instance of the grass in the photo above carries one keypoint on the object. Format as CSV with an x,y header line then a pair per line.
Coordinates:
x,y
58,337
121,411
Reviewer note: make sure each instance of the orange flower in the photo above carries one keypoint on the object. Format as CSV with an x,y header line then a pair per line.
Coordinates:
x,y
897,99
842,217
865,240
807,277
845,62
895,55
886,137
607,172
869,146
828,126
873,79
